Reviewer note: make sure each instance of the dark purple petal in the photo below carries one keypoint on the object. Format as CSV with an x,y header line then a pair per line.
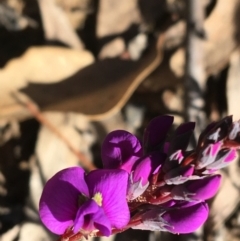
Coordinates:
x,y
205,132
112,184
166,147
200,189
181,137
180,142
220,130
120,147
156,131
186,219
90,216
59,201
185,127
173,161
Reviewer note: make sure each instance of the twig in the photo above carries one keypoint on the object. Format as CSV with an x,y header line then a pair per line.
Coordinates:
x,y
195,72
84,161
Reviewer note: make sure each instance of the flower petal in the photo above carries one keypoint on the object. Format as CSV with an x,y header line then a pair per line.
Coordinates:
x,y
185,127
82,220
59,201
156,131
205,188
90,216
135,189
146,166
180,142
120,147
102,223
112,184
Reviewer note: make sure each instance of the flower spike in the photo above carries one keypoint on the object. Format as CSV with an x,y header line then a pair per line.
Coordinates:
x,y
162,186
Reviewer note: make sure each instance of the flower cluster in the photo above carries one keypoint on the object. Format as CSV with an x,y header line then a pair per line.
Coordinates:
x,y
156,185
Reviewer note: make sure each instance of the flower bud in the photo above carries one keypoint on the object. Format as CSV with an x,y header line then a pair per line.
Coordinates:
x,y
223,159
220,130
181,137
156,132
208,155
200,189
173,161
234,133
186,219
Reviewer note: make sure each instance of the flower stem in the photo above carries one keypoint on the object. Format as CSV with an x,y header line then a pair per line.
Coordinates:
x,y
34,110
76,237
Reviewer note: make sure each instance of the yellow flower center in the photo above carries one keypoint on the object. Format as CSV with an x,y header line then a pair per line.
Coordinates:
x,y
98,198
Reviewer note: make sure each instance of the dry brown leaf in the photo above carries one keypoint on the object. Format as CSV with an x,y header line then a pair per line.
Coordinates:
x,y
40,65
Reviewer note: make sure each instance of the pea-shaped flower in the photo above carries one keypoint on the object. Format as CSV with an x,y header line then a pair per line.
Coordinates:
x,y
85,203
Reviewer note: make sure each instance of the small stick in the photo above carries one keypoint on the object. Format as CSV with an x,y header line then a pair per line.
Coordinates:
x,y
195,78
32,107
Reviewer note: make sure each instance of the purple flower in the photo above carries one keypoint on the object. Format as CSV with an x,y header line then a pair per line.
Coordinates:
x,y
120,149
86,203
165,184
